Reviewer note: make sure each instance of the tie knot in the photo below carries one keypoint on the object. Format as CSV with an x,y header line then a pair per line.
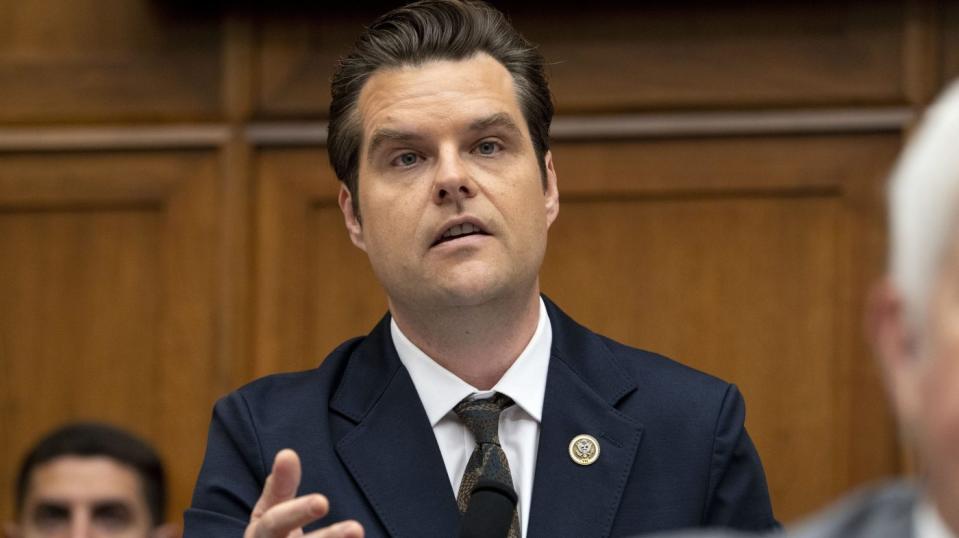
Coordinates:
x,y
482,416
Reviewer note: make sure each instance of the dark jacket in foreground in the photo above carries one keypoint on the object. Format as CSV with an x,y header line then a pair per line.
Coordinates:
x,y
674,452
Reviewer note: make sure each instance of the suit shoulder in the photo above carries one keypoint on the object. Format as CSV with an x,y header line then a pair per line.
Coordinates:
x,y
885,510
574,342
296,386
651,369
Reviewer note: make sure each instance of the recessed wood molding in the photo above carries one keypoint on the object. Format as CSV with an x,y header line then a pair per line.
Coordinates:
x,y
112,137
307,133
760,122
709,124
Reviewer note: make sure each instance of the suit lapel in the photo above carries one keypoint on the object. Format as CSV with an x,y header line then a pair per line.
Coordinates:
x,y
392,452
583,385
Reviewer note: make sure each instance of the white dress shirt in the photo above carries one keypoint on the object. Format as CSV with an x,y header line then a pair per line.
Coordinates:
x,y
519,425
927,522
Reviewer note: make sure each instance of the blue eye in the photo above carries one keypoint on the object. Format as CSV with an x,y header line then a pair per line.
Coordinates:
x,y
406,159
487,148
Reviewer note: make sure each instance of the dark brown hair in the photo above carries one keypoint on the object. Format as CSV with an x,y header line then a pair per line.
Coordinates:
x,y
91,439
425,31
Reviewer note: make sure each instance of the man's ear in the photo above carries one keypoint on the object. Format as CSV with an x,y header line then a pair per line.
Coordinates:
x,y
895,341
352,220
552,190
168,530
11,530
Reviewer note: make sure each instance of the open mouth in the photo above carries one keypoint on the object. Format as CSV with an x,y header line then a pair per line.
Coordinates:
x,y
459,231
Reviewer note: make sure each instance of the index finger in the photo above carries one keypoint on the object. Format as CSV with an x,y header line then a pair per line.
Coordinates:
x,y
289,516
282,483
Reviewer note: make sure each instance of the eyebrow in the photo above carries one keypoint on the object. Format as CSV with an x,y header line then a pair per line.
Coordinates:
x,y
113,508
60,503
500,119
47,506
382,136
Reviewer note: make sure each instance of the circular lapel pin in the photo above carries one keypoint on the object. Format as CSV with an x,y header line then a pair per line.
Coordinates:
x,y
584,449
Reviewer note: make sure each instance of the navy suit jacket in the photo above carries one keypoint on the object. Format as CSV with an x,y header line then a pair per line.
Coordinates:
x,y
674,452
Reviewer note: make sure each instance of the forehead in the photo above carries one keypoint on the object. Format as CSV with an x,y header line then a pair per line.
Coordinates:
x,y
84,479
437,94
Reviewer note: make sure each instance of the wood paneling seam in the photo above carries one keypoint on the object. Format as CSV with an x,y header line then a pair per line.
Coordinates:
x,y
112,137
765,122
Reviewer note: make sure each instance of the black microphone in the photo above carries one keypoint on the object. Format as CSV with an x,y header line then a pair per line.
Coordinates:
x,y
490,510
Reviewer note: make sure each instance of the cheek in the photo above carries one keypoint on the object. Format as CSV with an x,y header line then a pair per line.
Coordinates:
x,y
392,233
526,201
940,412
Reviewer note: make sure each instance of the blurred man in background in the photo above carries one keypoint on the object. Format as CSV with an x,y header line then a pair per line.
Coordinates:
x,y
90,480
914,325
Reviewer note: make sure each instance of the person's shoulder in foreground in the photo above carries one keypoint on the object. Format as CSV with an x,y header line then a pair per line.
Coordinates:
x,y
884,511
673,449
875,512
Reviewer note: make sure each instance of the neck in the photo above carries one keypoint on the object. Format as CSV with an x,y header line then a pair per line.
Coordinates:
x,y
477,343
947,510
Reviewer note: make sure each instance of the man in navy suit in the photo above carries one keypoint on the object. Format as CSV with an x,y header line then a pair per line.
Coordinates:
x,y
439,135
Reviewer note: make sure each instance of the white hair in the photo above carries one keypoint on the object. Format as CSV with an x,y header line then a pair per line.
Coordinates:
x,y
924,204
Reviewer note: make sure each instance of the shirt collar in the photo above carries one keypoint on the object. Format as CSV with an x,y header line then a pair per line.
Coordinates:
x,y
440,390
927,522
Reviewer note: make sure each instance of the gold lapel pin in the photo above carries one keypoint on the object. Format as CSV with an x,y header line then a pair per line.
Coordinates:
x,y
584,449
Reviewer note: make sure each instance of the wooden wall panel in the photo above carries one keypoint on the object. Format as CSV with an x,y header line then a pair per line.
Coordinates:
x,y
696,165
615,57
314,289
205,268
107,301
295,58
731,255
682,277
106,60
950,40
708,54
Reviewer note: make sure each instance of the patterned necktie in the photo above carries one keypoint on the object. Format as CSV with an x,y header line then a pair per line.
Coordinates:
x,y
488,459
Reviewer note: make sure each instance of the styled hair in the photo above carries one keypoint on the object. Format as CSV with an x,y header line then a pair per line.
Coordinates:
x,y
426,31
924,204
90,439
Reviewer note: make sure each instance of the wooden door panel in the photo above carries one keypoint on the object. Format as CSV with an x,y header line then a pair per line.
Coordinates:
x,y
741,256
75,312
749,258
693,54
616,57
950,41
106,60
108,301
314,289
297,54
743,288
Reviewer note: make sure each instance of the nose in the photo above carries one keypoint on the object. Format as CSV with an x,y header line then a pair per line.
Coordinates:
x,y
453,182
81,524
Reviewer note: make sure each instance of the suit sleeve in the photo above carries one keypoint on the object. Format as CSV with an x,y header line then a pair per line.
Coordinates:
x,y
231,477
737,496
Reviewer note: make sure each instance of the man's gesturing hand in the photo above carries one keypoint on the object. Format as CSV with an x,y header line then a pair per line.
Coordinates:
x,y
279,513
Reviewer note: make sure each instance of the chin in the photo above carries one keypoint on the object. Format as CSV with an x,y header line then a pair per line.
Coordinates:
x,y
472,296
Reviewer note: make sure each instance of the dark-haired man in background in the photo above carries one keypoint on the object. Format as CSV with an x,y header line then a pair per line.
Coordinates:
x,y
90,480
438,132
